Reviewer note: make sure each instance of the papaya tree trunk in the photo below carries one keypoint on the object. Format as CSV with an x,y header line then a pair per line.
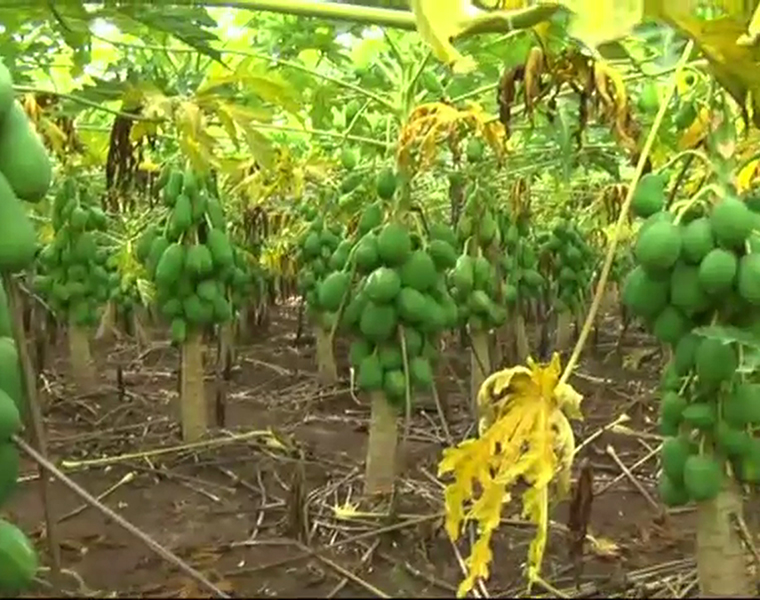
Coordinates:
x,y
611,297
721,564
242,330
564,333
505,344
224,360
326,366
193,411
380,472
80,358
480,365
108,327
522,345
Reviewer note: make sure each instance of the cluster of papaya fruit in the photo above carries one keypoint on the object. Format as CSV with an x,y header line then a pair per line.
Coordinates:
x,y
72,269
396,300
401,289
25,175
321,252
571,262
480,292
18,559
700,268
199,275
519,261
125,294
356,183
681,118
622,264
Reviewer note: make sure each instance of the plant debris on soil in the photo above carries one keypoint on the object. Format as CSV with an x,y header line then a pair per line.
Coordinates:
x,y
279,512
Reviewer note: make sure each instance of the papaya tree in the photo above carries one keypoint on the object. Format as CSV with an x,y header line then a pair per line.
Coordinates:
x,y
72,272
569,262
520,266
189,256
696,286
25,175
322,259
127,294
18,557
398,305
477,278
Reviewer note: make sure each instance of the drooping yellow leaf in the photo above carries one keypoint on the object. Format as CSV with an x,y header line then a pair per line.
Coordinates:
x,y
149,166
253,78
155,105
95,145
194,139
748,175
564,448
529,439
190,117
45,233
604,547
477,563
752,35
735,66
536,510
147,290
432,125
597,21
696,132
237,112
228,122
260,146
142,129
441,21
53,134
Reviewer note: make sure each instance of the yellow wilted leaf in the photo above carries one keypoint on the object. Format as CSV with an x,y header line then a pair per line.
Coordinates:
x,y
149,166
430,125
194,140
146,289
597,21
45,233
141,129
530,439
747,176
31,108
53,134
228,122
350,510
750,38
564,448
735,66
155,106
441,21
604,548
696,132
253,77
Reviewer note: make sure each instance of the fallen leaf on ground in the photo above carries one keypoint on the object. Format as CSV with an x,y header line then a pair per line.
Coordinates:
x,y
632,360
604,547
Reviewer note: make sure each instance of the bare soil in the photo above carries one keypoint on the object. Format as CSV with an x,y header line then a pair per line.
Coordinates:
x,y
234,509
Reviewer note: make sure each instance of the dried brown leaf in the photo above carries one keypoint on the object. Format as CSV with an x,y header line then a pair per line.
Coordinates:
x,y
579,515
534,69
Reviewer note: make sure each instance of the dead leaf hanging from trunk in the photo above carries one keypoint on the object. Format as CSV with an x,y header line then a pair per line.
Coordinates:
x,y
580,514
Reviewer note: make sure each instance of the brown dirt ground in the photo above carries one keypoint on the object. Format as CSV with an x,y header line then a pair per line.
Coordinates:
x,y
224,509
